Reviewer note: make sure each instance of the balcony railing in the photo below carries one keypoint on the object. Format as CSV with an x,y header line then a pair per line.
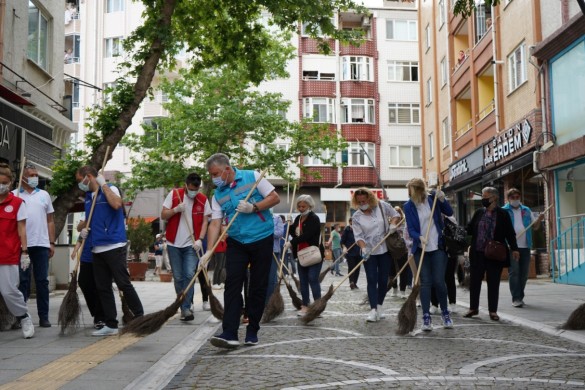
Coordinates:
x,y
486,110
464,129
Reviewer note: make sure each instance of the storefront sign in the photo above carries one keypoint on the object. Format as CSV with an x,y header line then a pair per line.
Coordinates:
x,y
8,140
466,167
345,194
508,143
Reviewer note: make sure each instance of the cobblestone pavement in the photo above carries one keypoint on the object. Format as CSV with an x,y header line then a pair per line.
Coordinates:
x,y
342,351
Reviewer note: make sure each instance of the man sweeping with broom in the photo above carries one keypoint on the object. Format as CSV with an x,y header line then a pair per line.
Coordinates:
x,y
249,242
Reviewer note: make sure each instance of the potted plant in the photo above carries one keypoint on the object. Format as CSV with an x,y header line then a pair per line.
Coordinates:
x,y
140,237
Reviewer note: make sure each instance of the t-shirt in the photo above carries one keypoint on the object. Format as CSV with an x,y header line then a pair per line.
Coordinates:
x,y
519,227
183,238
424,214
335,240
39,205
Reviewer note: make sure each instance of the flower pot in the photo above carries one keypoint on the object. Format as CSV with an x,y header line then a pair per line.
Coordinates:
x,y
137,270
165,276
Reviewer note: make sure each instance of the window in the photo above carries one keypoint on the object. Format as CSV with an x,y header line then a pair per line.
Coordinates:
x,y
404,113
322,160
320,110
357,68
402,71
405,156
483,20
316,75
443,72
431,146
161,97
152,132
427,37
428,97
113,47
357,111
357,154
446,133
442,13
38,36
114,5
401,30
516,67
75,99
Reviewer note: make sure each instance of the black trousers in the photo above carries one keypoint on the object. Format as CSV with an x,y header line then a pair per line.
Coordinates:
x,y
492,270
203,286
112,265
449,282
352,261
87,285
395,266
258,255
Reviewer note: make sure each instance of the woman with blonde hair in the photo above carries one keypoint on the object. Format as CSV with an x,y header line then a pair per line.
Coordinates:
x,y
432,274
371,222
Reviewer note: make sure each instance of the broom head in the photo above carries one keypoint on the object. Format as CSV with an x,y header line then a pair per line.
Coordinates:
x,y
127,315
576,320
407,314
316,308
70,310
274,307
296,301
214,304
150,323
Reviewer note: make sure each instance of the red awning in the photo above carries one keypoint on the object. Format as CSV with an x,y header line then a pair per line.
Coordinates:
x,y
13,97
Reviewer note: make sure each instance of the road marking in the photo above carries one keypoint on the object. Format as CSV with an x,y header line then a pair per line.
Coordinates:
x,y
315,328
470,368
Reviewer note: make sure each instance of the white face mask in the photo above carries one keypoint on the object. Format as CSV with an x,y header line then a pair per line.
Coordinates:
x,y
364,207
515,203
191,194
33,182
4,188
306,212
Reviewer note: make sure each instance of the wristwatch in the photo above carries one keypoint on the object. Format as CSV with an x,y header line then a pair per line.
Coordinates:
x,y
255,208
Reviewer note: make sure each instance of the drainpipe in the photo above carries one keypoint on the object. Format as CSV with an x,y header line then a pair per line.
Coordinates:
x,y
450,119
338,102
496,63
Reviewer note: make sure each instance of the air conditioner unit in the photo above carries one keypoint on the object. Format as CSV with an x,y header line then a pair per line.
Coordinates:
x,y
366,21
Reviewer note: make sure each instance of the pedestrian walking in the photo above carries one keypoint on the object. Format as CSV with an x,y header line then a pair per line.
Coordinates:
x,y
522,217
352,254
158,253
489,223
334,243
370,224
40,233
250,242
13,215
108,245
186,211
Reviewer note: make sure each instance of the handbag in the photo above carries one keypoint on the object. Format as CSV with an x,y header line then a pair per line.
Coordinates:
x,y
455,237
394,242
496,251
309,256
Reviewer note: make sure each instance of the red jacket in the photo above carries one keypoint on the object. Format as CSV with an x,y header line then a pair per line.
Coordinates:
x,y
9,230
197,215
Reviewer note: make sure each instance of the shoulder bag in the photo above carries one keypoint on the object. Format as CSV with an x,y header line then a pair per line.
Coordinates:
x,y
394,242
496,251
310,255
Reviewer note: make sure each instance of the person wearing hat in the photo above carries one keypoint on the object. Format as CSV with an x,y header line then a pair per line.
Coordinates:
x,y
158,253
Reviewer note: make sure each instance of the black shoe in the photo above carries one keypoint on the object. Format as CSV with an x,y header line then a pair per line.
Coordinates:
x,y
44,323
16,324
99,324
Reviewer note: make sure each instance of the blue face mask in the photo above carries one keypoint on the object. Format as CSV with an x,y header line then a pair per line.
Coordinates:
x,y
33,182
82,186
191,194
218,181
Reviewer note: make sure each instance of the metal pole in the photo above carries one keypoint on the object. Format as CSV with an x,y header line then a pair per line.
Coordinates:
x,y
375,170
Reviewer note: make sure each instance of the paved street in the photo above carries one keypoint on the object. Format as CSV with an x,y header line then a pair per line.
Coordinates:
x,y
339,350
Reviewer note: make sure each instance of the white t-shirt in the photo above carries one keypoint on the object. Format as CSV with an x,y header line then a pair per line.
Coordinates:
x,y
519,226
22,214
424,214
183,238
38,204
105,248
264,188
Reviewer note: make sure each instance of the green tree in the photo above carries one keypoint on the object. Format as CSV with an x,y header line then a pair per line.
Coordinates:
x,y
140,236
466,8
222,32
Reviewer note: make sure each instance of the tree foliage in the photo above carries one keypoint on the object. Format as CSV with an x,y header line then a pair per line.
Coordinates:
x,y
466,8
140,235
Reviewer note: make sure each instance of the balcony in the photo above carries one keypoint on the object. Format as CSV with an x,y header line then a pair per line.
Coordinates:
x,y
311,45
362,176
328,176
365,132
486,125
358,89
73,68
367,48
461,76
464,129
321,88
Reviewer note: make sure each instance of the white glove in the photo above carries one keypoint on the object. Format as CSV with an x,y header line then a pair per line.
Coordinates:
x,y
392,228
441,196
179,208
198,245
24,261
286,246
203,260
423,240
100,180
365,254
83,233
245,207
344,252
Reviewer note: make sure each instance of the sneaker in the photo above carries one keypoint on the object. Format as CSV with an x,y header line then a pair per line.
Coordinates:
x,y
44,323
301,313
105,331
225,340
379,311
99,324
427,325
373,316
394,292
518,303
28,329
403,294
434,309
447,322
218,286
187,315
251,338
452,308
206,306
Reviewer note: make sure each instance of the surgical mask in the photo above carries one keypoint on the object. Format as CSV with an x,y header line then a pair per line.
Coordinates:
x,y
4,188
306,212
33,181
218,181
191,194
485,202
515,203
364,207
82,186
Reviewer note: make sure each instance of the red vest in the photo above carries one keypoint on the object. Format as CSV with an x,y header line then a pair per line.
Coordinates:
x,y
9,230
196,214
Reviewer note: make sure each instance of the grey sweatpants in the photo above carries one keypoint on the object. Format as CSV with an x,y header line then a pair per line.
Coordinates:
x,y
9,280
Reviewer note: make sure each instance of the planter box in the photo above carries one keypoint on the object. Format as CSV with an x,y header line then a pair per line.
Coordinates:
x,y
137,270
165,276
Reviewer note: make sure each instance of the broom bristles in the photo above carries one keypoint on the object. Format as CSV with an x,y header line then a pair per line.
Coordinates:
x,y
128,315
316,308
297,282
274,307
151,323
70,309
365,301
323,274
576,320
407,314
214,304
296,301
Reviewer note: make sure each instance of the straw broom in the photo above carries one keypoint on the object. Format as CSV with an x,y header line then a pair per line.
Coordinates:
x,y
324,272
70,309
275,305
316,308
150,323
296,301
576,320
407,314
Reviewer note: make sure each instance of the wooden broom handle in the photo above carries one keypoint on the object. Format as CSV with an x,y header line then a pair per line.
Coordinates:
x,y
20,177
424,246
292,202
533,222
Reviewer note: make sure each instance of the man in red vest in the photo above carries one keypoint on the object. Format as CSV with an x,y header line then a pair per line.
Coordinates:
x,y
186,211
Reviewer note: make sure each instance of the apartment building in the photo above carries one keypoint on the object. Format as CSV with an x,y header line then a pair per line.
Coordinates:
x,y
34,108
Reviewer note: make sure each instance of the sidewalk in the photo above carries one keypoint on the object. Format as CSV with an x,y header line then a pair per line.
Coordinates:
x,y
547,306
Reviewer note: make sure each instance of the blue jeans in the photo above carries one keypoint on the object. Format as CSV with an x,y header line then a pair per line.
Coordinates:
x,y
39,263
290,262
518,274
432,274
184,262
377,270
309,276
336,254
272,276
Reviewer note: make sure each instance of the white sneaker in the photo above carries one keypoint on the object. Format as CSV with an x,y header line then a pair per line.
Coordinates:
x,y
105,331
433,309
216,286
373,316
518,303
28,329
380,312
206,306
394,292
403,294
